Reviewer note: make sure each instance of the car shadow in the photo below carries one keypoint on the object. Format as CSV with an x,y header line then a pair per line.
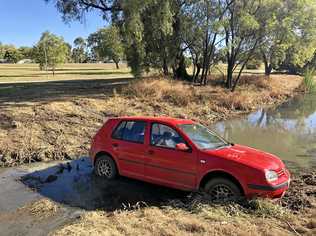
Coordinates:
x,y
74,184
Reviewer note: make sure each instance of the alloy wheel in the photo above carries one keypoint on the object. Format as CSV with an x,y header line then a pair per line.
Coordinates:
x,y
105,168
221,192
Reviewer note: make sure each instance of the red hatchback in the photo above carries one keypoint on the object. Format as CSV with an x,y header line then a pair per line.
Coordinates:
x,y
185,155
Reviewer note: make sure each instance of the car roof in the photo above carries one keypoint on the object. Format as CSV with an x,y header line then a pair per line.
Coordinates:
x,y
163,119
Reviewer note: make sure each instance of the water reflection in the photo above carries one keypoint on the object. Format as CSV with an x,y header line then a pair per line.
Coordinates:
x,y
288,131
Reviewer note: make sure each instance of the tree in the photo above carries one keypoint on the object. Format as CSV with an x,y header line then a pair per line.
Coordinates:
x,y
79,54
283,38
132,18
205,35
12,55
107,43
50,51
300,54
26,52
2,50
242,34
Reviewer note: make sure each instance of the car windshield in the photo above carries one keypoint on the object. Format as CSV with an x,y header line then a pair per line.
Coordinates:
x,y
203,137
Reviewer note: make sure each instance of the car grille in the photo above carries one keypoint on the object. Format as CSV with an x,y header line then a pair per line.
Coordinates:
x,y
281,172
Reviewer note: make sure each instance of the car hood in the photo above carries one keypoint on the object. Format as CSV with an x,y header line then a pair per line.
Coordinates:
x,y
248,156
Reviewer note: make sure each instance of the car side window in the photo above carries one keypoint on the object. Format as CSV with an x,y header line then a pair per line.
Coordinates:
x,y
118,132
132,131
164,136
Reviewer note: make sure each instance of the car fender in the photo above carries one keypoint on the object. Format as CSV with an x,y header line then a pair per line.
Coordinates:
x,y
236,176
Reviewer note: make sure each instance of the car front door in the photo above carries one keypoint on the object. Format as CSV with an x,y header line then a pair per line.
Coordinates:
x,y
128,143
167,165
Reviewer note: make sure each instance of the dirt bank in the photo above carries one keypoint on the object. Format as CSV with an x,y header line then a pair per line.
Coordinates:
x,y
59,123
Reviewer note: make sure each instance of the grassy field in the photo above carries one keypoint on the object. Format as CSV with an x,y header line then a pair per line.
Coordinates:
x,y
13,73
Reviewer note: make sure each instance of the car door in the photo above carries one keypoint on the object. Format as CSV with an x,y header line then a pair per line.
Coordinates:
x,y
128,143
166,165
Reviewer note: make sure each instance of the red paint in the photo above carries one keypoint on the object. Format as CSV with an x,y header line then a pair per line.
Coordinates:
x,y
183,169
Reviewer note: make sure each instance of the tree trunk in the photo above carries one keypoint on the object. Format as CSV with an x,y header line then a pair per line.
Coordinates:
x,y
198,70
181,71
165,67
194,70
267,69
267,65
229,79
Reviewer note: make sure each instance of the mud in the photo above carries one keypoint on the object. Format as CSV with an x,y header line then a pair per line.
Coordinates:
x,y
73,187
301,194
74,184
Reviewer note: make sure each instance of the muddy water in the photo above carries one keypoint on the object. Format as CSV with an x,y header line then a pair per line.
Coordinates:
x,y
74,184
288,131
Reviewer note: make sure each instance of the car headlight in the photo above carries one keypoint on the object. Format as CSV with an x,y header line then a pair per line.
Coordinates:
x,y
271,175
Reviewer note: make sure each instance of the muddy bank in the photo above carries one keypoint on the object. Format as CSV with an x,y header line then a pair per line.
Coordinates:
x,y
59,197
61,127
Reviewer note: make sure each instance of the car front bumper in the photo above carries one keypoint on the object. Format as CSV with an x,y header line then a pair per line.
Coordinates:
x,y
272,191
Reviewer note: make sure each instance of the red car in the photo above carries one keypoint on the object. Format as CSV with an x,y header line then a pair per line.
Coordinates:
x,y
185,155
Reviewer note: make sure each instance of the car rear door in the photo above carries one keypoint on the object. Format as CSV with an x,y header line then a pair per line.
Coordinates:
x,y
128,143
166,165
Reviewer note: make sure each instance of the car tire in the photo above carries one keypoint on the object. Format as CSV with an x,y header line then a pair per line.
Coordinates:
x,y
105,167
222,189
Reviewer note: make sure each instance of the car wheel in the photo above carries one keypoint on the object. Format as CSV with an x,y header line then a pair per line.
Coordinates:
x,y
222,189
105,167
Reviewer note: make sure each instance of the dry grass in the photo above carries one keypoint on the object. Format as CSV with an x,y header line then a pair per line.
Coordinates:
x,y
58,130
10,73
42,208
265,218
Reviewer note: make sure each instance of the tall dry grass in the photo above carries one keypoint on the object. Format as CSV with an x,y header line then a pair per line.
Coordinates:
x,y
193,218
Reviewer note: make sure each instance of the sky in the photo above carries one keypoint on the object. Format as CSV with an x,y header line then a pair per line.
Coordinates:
x,y
23,21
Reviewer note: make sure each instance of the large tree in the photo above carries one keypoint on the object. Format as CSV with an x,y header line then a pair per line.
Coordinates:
x,y
242,35
50,51
106,43
303,49
289,33
151,30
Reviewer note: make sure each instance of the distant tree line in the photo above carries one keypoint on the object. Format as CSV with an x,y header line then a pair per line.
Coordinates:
x,y
164,34
51,50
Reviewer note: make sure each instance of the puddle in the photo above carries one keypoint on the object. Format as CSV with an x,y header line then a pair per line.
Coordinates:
x,y
74,184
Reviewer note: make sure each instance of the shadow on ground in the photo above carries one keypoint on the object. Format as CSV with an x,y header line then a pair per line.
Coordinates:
x,y
57,90
75,185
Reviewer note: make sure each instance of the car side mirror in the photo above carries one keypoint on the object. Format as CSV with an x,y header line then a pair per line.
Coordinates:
x,y
182,147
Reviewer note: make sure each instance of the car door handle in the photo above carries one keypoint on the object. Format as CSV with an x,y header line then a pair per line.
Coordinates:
x,y
151,152
115,145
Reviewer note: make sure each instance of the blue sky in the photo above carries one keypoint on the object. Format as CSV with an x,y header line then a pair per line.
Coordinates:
x,y
23,21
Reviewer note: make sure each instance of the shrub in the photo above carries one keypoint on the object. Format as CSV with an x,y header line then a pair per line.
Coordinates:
x,y
309,82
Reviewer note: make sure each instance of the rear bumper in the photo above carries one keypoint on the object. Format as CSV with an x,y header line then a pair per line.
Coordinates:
x,y
272,191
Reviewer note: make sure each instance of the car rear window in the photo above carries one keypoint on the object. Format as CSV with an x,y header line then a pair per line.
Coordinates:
x,y
132,131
